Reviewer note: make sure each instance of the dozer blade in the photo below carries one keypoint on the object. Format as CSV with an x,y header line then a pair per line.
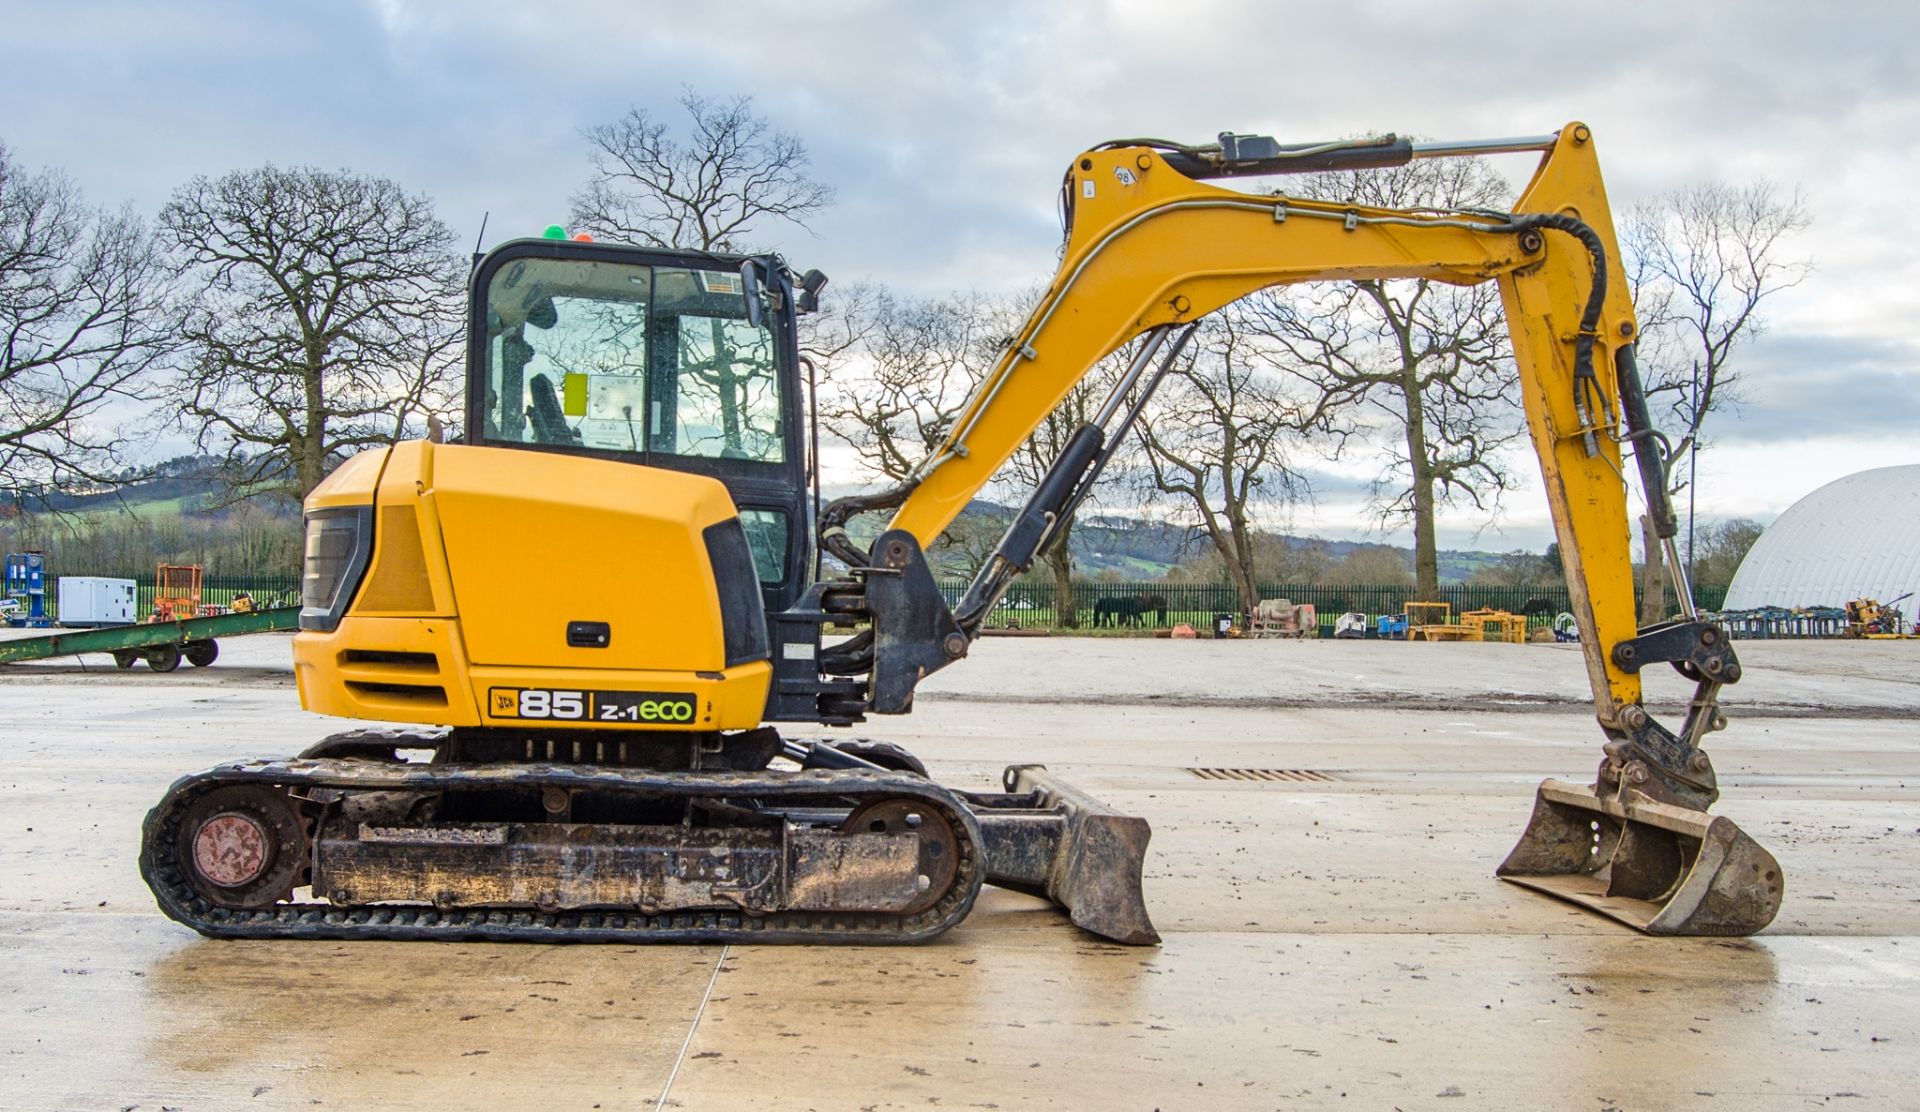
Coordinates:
x,y
1048,838
1657,867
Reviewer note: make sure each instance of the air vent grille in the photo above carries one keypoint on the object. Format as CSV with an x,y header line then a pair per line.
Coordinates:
x,y
399,693
392,660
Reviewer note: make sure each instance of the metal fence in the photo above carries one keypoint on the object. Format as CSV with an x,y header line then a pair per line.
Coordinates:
x,y
1031,605
215,590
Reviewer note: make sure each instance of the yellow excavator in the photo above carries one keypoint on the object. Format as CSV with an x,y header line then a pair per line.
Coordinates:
x,y
597,607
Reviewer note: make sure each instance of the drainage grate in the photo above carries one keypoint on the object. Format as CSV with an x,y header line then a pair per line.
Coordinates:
x,y
1271,774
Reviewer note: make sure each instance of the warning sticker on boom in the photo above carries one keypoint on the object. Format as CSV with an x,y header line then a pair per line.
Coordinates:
x,y
574,705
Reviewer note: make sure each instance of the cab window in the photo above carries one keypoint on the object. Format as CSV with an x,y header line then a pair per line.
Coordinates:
x,y
629,359
767,540
723,379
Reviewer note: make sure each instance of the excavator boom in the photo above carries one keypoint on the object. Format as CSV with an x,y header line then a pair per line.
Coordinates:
x,y
1151,249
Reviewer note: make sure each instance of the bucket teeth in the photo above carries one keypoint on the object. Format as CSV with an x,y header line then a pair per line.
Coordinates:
x,y
1657,867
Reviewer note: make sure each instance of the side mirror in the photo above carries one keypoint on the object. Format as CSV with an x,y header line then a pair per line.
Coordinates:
x,y
750,290
811,283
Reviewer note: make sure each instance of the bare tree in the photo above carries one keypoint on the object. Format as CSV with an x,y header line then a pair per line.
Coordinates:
x,y
1422,368
1278,560
1371,565
1519,568
923,360
1291,562
1701,262
969,542
326,318
1722,547
1215,440
82,323
1029,464
840,325
906,370
920,361
711,190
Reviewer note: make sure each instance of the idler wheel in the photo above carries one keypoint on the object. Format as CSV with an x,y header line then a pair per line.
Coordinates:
x,y
243,846
939,849
231,849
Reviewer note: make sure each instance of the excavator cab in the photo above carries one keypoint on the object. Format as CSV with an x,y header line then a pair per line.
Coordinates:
x,y
685,361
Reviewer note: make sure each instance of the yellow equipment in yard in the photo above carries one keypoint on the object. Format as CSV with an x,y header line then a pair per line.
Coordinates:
x,y
1870,618
1433,621
1496,625
596,606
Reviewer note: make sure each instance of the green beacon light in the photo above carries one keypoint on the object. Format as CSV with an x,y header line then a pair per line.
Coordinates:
x,y
554,231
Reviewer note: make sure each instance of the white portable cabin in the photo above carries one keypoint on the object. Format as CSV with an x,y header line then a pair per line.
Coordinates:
x,y
93,600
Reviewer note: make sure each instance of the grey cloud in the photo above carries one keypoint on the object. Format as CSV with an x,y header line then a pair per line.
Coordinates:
x,y
1802,387
945,127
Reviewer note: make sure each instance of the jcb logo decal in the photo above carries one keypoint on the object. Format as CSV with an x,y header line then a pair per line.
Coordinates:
x,y
591,706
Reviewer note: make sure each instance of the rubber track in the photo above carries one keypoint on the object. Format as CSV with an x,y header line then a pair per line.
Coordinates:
x,y
165,873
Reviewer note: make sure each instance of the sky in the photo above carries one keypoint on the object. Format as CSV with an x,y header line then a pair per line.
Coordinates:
x,y
944,129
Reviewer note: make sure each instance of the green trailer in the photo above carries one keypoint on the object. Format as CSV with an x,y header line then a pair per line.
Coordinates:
x,y
163,645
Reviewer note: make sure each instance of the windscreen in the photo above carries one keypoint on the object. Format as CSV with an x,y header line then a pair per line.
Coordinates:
x,y
629,359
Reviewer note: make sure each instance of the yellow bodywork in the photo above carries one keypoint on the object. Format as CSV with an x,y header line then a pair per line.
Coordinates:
x,y
1149,246
528,542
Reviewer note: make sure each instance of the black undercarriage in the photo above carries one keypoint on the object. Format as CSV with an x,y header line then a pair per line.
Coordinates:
x,y
605,836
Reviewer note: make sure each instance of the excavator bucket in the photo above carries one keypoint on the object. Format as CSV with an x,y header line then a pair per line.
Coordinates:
x,y
1047,838
1657,867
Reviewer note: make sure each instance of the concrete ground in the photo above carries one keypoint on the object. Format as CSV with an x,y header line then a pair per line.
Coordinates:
x,y
1336,943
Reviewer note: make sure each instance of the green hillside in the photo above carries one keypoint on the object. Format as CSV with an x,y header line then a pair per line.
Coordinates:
x,y
180,514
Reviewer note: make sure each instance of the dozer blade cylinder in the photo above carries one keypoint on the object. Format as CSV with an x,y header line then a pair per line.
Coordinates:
x,y
1048,838
1657,867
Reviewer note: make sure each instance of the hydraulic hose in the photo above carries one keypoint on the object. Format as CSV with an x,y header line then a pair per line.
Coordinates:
x,y
833,520
1586,384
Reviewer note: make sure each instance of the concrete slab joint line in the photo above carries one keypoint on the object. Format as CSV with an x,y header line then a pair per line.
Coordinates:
x,y
1296,775
693,1027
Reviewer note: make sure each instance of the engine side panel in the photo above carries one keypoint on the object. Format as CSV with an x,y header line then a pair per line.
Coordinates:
x,y
488,562
536,540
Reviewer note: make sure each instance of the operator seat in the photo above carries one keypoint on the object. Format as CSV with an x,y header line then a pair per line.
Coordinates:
x,y
548,419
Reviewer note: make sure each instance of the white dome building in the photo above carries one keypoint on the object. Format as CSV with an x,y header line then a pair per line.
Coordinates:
x,y
1857,537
